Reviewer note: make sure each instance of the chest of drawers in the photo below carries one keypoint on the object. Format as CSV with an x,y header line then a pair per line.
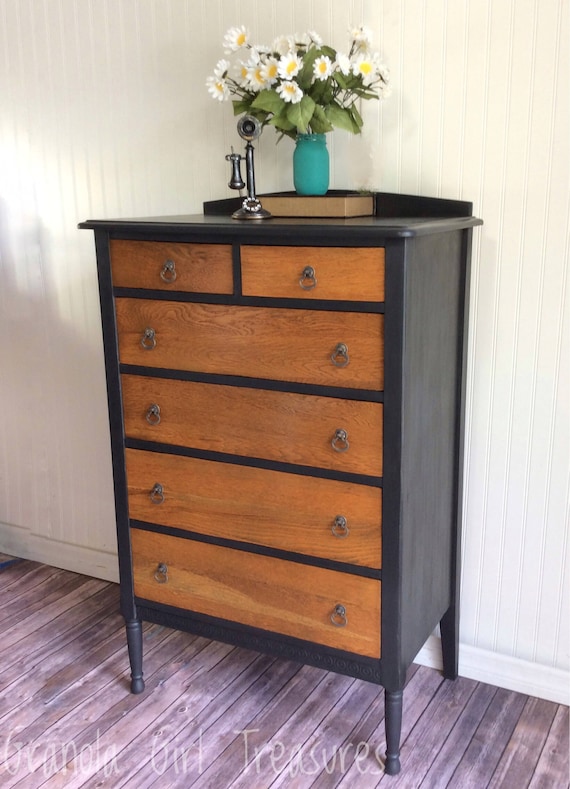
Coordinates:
x,y
285,404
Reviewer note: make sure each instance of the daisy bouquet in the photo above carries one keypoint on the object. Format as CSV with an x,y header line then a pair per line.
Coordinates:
x,y
299,84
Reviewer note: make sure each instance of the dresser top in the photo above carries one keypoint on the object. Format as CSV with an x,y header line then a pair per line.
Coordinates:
x,y
397,216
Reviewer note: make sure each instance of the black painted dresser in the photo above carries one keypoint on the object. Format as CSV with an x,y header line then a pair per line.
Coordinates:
x,y
285,401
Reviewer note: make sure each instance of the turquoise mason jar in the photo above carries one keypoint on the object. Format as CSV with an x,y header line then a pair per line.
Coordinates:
x,y
311,165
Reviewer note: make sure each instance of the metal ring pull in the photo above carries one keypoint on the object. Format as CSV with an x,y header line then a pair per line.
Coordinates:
x,y
340,440
308,279
340,527
161,574
340,357
157,493
338,616
153,414
168,273
148,340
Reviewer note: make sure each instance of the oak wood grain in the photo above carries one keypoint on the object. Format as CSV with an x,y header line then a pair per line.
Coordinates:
x,y
279,426
260,591
271,508
344,273
199,268
256,342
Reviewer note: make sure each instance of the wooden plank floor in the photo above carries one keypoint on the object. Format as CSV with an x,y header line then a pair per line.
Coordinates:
x,y
216,716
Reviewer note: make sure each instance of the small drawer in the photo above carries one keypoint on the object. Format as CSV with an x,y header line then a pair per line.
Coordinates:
x,y
342,273
158,265
281,426
333,520
307,346
318,605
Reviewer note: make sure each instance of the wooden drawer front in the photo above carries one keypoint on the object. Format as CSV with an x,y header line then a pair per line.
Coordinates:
x,y
256,342
281,426
196,268
272,594
344,273
271,508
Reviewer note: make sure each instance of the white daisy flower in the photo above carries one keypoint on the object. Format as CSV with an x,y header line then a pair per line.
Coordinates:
x,y
283,44
302,39
343,63
384,72
315,38
218,88
270,70
235,38
365,66
289,65
322,68
255,79
221,69
242,74
362,37
290,92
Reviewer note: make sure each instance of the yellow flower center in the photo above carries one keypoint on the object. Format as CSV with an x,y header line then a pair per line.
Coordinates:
x,y
322,68
272,70
291,67
365,68
241,39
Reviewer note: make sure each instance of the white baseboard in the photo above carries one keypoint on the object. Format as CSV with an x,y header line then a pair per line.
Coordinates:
x,y
503,671
20,542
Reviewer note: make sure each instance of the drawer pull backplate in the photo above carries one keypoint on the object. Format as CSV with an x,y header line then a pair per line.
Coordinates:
x,y
153,414
308,279
157,493
340,527
338,616
340,357
148,340
340,440
168,273
161,574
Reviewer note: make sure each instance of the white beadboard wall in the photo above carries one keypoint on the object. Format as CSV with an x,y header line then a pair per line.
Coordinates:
x,y
104,112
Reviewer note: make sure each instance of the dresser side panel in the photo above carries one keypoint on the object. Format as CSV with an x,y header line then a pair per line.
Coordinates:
x,y
431,386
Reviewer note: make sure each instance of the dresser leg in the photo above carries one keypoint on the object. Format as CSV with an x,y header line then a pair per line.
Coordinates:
x,y
449,628
135,648
393,721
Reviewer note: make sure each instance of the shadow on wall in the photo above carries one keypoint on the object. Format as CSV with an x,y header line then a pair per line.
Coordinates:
x,y
55,460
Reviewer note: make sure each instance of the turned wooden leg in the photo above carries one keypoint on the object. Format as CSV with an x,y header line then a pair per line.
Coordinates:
x,y
449,627
135,647
393,721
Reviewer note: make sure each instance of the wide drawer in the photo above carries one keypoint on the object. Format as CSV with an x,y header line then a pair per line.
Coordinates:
x,y
343,273
333,520
161,265
279,426
293,599
255,342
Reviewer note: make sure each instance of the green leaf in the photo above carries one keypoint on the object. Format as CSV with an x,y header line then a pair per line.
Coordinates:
x,y
241,106
281,122
321,92
301,113
341,118
356,116
319,122
305,75
269,101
